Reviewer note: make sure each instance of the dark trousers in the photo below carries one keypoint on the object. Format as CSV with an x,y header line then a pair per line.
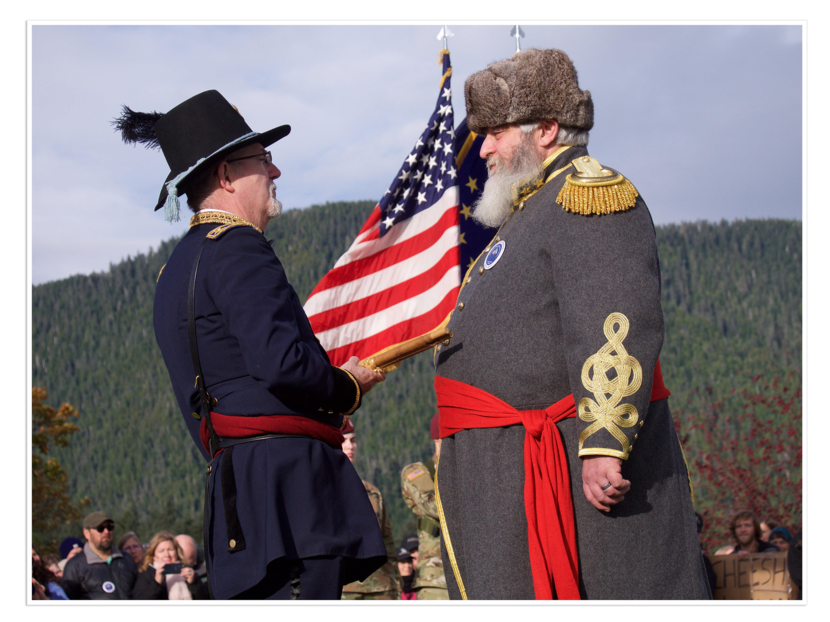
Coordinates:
x,y
312,578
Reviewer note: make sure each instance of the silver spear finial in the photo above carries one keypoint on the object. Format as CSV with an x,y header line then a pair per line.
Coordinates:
x,y
444,34
517,32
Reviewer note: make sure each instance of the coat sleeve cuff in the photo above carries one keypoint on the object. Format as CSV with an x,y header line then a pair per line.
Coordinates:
x,y
600,451
346,397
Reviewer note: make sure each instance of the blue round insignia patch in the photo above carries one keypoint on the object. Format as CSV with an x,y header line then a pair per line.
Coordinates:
x,y
494,255
108,587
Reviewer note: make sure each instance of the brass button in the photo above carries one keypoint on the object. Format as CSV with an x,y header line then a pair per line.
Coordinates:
x,y
232,543
635,436
210,468
521,206
446,342
469,278
481,270
487,250
498,238
641,423
460,306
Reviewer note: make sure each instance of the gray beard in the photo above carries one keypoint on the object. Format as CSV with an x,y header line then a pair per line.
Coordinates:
x,y
494,204
275,209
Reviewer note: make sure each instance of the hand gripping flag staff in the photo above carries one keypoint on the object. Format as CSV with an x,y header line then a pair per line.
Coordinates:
x,y
400,278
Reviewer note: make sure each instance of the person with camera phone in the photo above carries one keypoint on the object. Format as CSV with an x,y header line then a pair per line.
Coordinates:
x,y
162,576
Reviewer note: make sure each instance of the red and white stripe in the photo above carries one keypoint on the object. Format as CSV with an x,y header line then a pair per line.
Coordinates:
x,y
386,290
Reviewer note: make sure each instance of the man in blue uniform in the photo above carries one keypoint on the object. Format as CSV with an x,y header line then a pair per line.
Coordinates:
x,y
286,515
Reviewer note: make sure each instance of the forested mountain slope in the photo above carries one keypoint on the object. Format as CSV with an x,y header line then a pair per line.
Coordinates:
x,y
731,300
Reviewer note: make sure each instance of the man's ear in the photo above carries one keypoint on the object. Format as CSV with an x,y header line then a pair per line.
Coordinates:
x,y
549,133
223,173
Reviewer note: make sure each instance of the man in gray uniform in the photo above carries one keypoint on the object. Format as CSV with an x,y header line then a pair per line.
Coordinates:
x,y
552,379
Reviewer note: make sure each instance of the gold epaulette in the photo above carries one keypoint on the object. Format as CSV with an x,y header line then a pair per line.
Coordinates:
x,y
215,233
596,190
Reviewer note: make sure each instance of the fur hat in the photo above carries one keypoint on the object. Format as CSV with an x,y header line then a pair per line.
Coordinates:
x,y
530,86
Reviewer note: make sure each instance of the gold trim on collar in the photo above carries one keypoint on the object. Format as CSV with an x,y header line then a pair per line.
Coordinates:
x,y
220,218
555,155
529,186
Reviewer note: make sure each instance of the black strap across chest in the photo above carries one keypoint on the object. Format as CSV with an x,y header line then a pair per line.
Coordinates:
x,y
206,401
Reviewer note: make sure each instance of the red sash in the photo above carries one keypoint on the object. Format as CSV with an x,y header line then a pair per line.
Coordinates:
x,y
239,427
548,501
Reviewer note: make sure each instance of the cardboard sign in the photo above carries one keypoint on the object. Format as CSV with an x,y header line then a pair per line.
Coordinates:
x,y
757,576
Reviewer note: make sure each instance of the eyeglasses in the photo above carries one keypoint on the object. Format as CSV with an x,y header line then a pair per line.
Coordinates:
x,y
108,526
267,155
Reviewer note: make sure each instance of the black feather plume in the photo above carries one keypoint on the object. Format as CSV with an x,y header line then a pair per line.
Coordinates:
x,y
137,127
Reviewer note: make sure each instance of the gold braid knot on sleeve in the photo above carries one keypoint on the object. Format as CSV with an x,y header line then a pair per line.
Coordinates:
x,y
607,412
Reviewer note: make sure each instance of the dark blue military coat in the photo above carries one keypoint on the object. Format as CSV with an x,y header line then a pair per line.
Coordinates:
x,y
296,497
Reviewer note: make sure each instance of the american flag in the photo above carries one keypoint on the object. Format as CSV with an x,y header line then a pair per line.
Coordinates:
x,y
400,277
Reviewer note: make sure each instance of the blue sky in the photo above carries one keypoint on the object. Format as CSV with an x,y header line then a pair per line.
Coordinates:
x,y
706,120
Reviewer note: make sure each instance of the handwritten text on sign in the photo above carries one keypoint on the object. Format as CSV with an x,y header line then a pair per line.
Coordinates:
x,y
757,576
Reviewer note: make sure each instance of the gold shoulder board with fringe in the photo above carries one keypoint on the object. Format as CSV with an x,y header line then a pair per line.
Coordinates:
x,y
595,190
218,231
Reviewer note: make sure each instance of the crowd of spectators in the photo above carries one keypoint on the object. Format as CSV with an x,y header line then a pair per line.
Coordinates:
x,y
172,567
168,567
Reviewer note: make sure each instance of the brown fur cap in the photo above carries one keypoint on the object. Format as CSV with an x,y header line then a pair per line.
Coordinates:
x,y
531,86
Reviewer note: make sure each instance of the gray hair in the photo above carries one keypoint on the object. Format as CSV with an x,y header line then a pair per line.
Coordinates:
x,y
570,136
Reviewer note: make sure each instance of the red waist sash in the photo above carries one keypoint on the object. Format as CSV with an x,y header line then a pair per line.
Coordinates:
x,y
548,501
239,427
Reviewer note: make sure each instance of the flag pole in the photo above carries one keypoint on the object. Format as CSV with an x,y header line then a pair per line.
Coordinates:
x,y
517,32
443,34
388,358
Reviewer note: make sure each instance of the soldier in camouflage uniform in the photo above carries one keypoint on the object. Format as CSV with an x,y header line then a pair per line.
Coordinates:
x,y
418,488
385,583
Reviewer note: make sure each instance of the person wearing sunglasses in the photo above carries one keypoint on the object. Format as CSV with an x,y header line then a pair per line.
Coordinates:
x,y
102,572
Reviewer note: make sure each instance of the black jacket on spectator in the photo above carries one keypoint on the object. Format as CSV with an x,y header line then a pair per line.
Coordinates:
x,y
88,577
146,587
794,562
763,547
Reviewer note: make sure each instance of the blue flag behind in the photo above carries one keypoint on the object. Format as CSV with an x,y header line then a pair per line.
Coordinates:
x,y
472,174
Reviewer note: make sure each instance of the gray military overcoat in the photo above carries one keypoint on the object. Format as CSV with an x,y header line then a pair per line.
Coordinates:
x,y
523,330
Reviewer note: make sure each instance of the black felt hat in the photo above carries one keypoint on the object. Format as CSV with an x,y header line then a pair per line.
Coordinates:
x,y
195,134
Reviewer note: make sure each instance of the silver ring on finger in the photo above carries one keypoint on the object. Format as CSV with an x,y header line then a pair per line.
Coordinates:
x,y
606,487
